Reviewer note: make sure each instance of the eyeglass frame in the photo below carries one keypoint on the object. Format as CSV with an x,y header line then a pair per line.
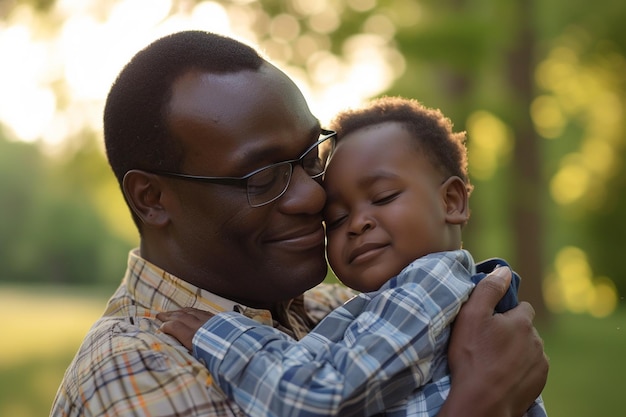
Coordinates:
x,y
243,181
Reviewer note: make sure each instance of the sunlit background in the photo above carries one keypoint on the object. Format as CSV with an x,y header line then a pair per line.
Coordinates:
x,y
62,62
539,88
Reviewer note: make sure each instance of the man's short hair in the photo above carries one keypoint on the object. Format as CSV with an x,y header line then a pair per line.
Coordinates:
x,y
136,131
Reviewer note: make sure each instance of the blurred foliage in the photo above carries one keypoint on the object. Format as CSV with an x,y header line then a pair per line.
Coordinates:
x,y
51,230
540,87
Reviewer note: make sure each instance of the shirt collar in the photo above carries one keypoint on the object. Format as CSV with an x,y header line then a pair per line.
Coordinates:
x,y
153,287
157,289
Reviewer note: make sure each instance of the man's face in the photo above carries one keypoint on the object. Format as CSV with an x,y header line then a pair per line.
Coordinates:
x,y
381,217
231,125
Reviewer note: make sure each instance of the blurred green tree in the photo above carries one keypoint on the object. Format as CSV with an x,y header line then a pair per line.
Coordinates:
x,y
51,230
540,88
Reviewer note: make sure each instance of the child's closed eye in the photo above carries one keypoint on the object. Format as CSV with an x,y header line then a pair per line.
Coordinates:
x,y
385,198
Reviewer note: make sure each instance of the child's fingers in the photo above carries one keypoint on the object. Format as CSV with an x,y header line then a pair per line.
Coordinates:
x,y
180,331
198,314
189,316
183,324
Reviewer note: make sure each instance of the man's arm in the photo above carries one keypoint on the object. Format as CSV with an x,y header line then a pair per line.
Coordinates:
x,y
497,361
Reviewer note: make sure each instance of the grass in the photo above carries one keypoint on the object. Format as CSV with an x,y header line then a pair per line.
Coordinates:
x,y
42,328
587,366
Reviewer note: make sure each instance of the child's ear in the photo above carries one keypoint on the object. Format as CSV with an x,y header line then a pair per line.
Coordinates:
x,y
456,200
143,192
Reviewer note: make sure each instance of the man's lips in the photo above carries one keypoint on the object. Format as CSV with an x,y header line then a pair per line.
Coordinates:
x,y
365,251
300,239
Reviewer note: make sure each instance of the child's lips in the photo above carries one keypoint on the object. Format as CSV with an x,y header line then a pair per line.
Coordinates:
x,y
366,251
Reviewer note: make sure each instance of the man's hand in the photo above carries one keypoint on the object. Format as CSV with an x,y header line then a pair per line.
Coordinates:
x,y
183,324
498,365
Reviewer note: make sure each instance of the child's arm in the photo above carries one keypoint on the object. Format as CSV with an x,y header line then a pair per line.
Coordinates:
x,y
363,358
267,373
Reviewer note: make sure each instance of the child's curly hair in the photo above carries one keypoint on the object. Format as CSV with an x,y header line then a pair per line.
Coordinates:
x,y
431,130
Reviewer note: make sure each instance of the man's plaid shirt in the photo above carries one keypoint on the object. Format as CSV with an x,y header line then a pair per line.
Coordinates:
x,y
127,367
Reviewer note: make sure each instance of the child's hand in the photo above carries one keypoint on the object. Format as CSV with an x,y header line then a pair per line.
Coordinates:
x,y
183,324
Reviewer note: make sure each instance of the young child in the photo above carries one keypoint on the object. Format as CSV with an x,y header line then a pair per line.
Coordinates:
x,y
397,199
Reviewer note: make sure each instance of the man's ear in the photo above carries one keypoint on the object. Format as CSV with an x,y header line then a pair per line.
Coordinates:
x,y
143,192
456,200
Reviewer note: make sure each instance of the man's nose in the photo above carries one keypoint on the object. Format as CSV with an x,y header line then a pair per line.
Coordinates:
x,y
304,195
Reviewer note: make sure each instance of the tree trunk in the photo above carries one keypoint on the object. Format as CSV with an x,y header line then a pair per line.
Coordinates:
x,y
529,188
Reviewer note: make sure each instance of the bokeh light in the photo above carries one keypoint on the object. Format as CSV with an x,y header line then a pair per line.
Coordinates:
x,y
573,288
490,143
55,81
582,94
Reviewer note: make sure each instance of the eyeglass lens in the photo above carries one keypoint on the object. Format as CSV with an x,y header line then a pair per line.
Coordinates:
x,y
270,183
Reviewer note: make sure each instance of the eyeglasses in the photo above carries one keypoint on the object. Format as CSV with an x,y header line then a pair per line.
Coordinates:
x,y
269,183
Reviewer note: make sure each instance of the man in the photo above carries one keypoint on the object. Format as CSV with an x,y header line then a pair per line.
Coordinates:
x,y
212,147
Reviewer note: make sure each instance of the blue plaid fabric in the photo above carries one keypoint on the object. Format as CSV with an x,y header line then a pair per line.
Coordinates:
x,y
365,357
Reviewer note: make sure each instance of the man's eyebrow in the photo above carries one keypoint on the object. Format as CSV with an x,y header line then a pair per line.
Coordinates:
x,y
265,153
260,153
316,130
314,134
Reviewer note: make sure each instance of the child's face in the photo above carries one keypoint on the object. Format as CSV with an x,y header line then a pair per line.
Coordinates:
x,y
387,205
